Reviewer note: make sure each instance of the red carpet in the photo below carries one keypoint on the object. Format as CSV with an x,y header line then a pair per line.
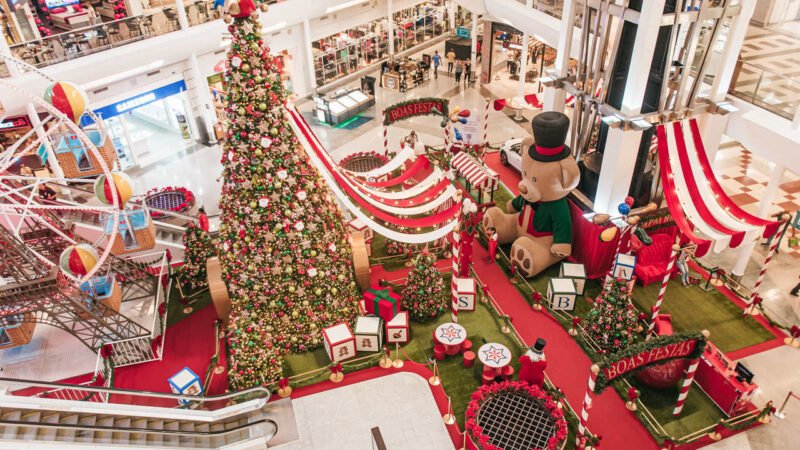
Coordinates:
x,y
376,372
568,365
509,176
30,392
189,343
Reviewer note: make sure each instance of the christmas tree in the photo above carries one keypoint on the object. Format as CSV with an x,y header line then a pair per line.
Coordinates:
x,y
611,322
285,258
198,246
423,292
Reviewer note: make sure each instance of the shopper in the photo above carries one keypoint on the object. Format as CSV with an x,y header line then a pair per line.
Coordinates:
x,y
683,266
467,72
451,59
459,71
437,61
795,290
25,171
47,193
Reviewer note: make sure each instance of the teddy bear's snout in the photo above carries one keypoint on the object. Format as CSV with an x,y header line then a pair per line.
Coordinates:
x,y
522,189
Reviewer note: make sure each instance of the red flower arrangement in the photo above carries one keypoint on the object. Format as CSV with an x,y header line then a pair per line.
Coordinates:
x,y
484,393
160,198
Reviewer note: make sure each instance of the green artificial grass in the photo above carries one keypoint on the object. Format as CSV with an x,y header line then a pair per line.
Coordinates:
x,y
197,300
693,309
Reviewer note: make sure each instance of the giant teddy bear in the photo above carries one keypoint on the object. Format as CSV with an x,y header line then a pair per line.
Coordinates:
x,y
539,225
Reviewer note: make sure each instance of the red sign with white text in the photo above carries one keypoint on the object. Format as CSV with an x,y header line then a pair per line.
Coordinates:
x,y
414,109
669,351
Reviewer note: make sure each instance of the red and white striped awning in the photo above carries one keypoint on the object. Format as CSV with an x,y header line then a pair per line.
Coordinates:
x,y
477,174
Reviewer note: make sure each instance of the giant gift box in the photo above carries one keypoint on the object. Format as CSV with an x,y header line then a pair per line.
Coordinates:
x,y
369,334
397,329
186,382
382,302
340,343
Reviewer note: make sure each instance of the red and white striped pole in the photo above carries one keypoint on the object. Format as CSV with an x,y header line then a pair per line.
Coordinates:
x,y
687,382
486,123
587,405
447,138
676,248
385,139
772,248
456,265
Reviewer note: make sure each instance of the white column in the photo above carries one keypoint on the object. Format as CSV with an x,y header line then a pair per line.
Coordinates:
x,y
390,27
764,207
554,98
622,146
5,50
523,64
474,53
309,51
205,107
733,46
453,10
183,18
52,161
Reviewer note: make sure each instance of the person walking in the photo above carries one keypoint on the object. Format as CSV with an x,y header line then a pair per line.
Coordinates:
x,y
795,290
451,59
467,72
437,61
683,267
459,71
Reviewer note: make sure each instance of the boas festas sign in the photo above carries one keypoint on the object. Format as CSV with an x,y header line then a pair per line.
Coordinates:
x,y
670,351
417,107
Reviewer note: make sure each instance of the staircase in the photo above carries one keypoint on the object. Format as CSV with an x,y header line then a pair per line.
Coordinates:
x,y
236,420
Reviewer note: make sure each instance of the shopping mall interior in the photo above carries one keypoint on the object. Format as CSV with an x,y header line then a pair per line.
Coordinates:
x,y
290,224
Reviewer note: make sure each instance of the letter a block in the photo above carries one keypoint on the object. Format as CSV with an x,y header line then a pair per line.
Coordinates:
x,y
369,334
623,266
561,294
340,343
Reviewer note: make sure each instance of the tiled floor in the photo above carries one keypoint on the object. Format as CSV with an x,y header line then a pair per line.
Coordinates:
x,y
400,405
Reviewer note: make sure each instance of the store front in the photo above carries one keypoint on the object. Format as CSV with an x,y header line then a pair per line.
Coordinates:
x,y
150,126
507,47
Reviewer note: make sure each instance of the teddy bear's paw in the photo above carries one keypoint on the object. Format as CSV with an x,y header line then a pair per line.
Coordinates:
x,y
522,258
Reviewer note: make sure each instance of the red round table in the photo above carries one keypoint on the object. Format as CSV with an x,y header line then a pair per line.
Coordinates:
x,y
451,335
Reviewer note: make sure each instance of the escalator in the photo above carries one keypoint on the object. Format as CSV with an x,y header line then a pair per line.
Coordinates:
x,y
241,420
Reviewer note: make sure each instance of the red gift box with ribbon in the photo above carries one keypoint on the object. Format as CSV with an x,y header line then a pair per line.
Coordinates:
x,y
382,301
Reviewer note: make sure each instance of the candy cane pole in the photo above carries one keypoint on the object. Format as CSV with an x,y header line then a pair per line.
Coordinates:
x,y
447,137
672,258
385,139
486,123
772,248
687,382
587,405
456,267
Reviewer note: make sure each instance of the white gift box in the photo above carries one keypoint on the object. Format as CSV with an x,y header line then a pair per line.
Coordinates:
x,y
397,329
340,343
561,294
185,382
624,266
464,293
369,333
356,225
576,272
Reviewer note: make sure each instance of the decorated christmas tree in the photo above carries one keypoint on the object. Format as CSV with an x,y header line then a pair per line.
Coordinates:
x,y
611,322
285,258
423,292
198,246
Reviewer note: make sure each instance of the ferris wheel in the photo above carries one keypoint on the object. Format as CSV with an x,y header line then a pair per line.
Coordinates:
x,y
26,200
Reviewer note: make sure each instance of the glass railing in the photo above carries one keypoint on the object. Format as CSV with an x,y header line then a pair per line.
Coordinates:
x,y
770,90
551,7
96,38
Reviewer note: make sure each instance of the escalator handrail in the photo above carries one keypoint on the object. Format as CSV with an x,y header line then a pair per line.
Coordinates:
x,y
135,393
137,429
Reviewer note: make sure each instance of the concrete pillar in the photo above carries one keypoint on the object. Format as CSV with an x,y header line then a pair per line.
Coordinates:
x,y
390,27
52,161
554,98
5,50
205,106
183,18
523,64
453,11
474,51
733,47
622,146
309,51
764,207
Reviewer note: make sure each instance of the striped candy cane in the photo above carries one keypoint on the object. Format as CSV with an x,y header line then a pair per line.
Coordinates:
x,y
772,248
486,123
687,383
385,140
456,267
672,258
447,137
587,405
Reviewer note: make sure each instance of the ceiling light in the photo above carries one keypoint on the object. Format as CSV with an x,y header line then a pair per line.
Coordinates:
x,y
640,124
121,76
613,121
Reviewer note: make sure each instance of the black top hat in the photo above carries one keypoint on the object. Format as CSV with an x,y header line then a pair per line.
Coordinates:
x,y
549,132
538,346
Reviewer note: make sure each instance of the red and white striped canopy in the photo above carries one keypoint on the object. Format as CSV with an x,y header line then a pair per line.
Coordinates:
x,y
476,173
694,196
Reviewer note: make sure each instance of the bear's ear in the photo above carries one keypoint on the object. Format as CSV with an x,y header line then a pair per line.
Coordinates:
x,y
570,174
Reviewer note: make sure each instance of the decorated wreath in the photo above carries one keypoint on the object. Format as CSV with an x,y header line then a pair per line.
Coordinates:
x,y
170,198
552,435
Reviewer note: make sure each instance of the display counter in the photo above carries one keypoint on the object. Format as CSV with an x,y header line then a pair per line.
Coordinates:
x,y
406,75
728,384
342,106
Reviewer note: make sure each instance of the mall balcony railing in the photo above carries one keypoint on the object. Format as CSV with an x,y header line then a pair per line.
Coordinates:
x,y
108,35
775,92
551,7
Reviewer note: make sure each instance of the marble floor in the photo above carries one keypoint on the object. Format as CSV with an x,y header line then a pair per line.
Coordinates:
x,y
400,405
